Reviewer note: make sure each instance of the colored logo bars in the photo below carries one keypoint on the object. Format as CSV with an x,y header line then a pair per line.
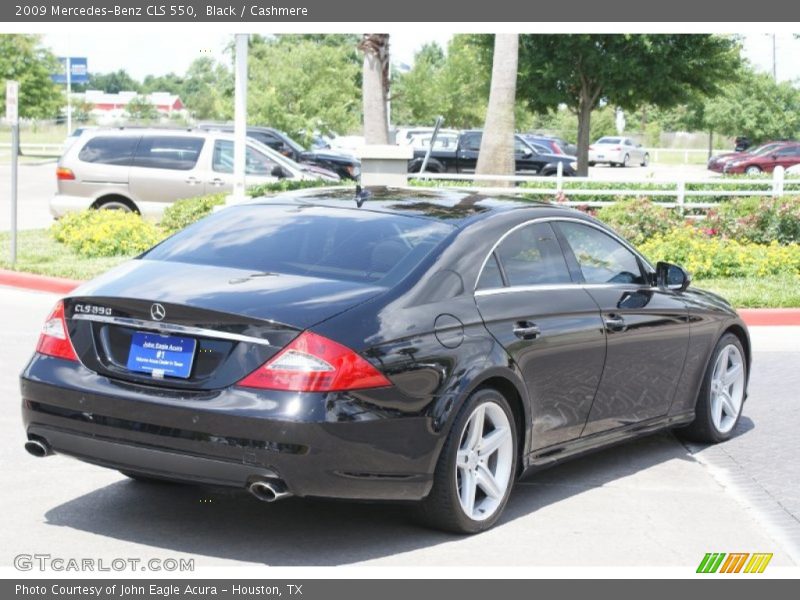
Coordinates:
x,y
735,562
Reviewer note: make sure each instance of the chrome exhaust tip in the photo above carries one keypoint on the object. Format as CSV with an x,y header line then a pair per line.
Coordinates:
x,y
268,491
38,448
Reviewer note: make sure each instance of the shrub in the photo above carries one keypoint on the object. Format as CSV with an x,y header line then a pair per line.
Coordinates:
x,y
95,233
707,257
761,220
183,213
288,185
639,219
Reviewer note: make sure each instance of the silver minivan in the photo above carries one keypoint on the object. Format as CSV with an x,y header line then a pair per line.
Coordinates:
x,y
145,170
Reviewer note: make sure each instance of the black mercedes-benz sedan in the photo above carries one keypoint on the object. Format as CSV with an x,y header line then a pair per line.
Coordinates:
x,y
426,346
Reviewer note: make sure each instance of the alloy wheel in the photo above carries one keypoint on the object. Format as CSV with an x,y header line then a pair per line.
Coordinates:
x,y
484,461
727,388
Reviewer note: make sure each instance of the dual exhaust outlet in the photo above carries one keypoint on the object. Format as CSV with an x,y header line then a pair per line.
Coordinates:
x,y
263,489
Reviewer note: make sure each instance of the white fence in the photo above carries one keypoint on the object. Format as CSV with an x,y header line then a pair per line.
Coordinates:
x,y
36,149
675,192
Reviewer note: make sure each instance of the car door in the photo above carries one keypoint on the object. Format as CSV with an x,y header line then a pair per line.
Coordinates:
x,y
647,329
467,155
165,168
550,327
788,156
258,167
528,161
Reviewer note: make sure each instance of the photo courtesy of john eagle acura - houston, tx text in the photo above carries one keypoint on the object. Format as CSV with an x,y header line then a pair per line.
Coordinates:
x,y
427,347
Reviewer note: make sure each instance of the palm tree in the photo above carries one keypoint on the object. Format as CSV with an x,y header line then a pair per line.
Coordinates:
x,y
497,145
375,87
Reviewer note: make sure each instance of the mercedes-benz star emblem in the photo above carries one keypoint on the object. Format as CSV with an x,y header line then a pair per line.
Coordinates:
x,y
157,312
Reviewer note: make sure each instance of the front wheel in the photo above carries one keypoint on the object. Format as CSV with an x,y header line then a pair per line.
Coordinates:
x,y
476,469
753,170
719,403
626,160
645,160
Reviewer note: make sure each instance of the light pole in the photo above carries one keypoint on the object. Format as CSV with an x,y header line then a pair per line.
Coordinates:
x,y
239,119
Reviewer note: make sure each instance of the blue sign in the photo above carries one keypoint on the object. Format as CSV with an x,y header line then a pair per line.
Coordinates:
x,y
79,71
161,355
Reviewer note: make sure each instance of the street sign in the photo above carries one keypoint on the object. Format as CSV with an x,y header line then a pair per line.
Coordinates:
x,y
12,102
79,70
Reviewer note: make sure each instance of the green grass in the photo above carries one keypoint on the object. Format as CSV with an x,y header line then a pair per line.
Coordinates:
x,y
38,252
764,292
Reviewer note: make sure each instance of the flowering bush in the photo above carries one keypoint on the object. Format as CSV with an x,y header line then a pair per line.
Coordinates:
x,y
94,233
761,220
639,219
708,257
183,213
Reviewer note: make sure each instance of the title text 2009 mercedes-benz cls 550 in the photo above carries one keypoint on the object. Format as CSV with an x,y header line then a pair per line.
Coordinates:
x,y
427,346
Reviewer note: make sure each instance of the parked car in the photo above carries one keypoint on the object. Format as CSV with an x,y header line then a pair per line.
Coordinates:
x,y
717,163
785,155
344,165
426,345
463,158
555,145
618,152
412,136
145,170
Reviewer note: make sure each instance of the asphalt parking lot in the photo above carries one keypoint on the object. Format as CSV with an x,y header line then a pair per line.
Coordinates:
x,y
653,502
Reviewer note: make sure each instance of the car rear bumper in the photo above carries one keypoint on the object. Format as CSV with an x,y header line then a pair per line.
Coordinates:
x,y
328,445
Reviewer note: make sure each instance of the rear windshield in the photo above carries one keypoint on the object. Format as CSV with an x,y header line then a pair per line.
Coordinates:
x,y
608,140
341,244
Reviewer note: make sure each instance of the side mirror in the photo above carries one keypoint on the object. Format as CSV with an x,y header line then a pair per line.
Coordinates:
x,y
672,277
279,172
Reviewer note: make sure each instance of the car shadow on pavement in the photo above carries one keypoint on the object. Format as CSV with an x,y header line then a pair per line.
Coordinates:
x,y
232,525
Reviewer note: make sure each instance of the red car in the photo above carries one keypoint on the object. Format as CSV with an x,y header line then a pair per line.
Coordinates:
x,y
718,161
786,155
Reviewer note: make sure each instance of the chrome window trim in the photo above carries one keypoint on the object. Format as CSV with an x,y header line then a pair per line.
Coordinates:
x,y
160,326
542,286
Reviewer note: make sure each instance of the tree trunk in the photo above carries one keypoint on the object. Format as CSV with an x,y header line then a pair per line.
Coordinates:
x,y
497,145
584,131
375,87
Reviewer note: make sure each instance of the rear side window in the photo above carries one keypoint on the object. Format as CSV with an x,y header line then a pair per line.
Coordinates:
x,y
471,142
341,244
602,259
532,255
109,150
168,152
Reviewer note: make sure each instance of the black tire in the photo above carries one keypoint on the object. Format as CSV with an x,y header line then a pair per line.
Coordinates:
x,y
703,428
591,164
442,508
645,160
625,160
753,170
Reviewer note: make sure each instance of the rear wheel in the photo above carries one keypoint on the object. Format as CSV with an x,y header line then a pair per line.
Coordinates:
x,y
719,403
626,160
753,170
476,469
645,160
115,203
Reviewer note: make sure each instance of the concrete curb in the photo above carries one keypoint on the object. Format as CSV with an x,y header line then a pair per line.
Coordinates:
x,y
774,317
40,283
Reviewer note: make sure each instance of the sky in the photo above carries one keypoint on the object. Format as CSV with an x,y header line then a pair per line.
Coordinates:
x,y
142,54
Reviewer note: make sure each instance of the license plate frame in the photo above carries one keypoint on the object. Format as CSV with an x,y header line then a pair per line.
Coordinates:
x,y
161,355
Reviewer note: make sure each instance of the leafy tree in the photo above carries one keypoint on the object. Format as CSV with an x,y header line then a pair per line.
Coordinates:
x,y
23,59
140,108
113,83
299,85
207,90
170,83
583,71
417,94
754,106
496,155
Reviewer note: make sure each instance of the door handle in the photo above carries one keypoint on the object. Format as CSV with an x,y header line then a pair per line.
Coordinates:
x,y
217,182
614,323
192,180
526,330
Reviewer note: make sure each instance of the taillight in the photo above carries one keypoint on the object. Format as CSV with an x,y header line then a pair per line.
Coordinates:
x,y
64,174
54,340
617,149
313,363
